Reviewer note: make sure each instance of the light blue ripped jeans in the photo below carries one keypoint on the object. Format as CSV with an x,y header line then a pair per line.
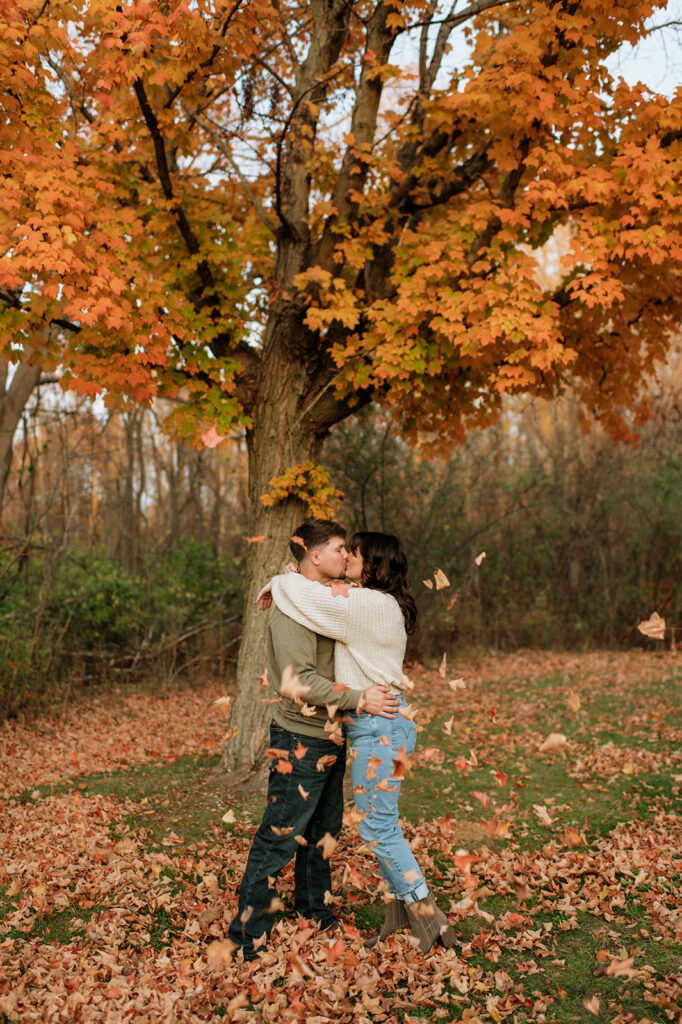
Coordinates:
x,y
380,828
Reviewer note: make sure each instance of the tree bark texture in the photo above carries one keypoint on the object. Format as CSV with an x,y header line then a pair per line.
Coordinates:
x,y
13,401
281,438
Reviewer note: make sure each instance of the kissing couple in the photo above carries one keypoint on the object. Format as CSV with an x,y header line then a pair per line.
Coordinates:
x,y
346,643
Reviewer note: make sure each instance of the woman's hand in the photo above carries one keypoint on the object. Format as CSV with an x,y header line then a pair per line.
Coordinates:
x,y
264,599
290,567
339,588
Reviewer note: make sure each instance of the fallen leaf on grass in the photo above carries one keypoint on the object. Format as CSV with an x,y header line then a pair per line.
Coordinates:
x,y
229,817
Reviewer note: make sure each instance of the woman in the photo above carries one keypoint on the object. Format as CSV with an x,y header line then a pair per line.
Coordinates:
x,y
369,621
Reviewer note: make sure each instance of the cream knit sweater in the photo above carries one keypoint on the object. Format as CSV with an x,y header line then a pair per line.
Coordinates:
x,y
368,627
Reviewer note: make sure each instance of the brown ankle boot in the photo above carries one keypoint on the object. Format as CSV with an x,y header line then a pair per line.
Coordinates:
x,y
429,924
396,918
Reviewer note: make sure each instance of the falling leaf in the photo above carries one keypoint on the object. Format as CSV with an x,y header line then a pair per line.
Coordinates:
x,y
500,778
571,837
542,814
447,726
299,540
211,438
653,627
219,953
291,685
573,701
229,817
327,844
480,558
258,539
274,752
304,792
592,1005
622,968
284,767
428,583
401,763
333,952
223,705
406,683
325,761
555,741
443,667
300,751
456,684
237,1003
441,579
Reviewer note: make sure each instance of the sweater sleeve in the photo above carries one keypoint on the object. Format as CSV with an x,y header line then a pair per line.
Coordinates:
x,y
312,605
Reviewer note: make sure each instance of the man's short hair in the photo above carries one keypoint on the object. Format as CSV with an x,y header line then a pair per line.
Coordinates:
x,y
314,533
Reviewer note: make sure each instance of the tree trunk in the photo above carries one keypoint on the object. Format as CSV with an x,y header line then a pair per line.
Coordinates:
x,y
13,401
277,441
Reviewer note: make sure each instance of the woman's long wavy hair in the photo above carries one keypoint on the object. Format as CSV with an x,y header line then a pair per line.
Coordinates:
x,y
384,567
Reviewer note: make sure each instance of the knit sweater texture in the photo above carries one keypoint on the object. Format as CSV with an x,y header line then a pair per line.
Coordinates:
x,y
367,625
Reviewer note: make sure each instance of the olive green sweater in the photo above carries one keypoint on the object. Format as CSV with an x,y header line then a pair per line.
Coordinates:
x,y
312,656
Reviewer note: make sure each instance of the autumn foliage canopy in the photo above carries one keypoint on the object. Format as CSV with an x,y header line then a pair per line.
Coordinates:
x,y
195,192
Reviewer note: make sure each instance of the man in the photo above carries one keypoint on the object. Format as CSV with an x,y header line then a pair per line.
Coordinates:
x,y
305,787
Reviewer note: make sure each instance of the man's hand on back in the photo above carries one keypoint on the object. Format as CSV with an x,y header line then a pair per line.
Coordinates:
x,y
379,700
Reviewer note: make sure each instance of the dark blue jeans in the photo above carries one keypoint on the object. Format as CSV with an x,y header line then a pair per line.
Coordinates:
x,y
289,814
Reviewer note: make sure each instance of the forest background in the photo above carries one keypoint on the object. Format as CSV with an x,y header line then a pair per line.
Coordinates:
x,y
123,552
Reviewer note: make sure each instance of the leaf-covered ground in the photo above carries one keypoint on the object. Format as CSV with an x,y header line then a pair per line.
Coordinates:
x,y
543,803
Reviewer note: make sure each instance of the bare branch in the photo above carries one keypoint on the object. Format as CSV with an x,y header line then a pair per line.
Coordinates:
x,y
212,131
452,20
